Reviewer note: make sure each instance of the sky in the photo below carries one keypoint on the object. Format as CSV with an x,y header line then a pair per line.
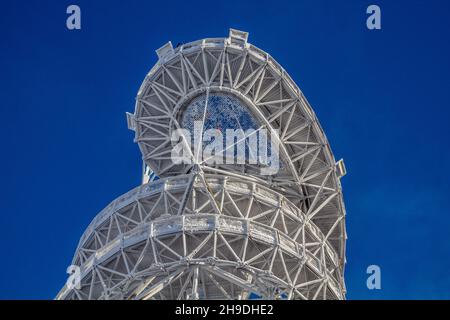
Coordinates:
x,y
382,97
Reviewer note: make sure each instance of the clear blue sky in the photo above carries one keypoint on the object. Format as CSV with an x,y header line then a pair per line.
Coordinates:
x,y
381,96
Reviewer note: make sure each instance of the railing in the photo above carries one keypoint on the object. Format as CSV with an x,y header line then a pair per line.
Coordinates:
x,y
263,193
204,222
146,190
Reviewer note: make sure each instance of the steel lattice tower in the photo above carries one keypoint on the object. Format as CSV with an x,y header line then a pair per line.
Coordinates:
x,y
221,231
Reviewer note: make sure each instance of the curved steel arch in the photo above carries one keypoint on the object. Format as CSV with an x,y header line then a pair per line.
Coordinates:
x,y
234,66
221,231
257,227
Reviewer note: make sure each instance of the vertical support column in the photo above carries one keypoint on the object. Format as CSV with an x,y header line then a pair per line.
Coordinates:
x,y
194,295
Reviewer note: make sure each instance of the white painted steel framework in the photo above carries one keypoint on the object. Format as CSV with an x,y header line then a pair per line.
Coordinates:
x,y
221,231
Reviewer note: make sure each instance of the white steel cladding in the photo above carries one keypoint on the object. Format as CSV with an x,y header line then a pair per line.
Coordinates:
x,y
221,230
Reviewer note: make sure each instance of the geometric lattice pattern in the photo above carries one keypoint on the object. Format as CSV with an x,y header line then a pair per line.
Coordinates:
x,y
221,231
